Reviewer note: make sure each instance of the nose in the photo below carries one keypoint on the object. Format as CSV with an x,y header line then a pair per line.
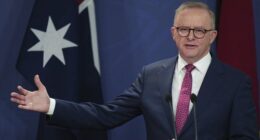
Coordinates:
x,y
191,35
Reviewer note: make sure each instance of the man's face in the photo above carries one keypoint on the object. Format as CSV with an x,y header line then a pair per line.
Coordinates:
x,y
191,48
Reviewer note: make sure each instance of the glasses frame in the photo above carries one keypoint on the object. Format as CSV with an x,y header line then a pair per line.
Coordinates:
x,y
205,31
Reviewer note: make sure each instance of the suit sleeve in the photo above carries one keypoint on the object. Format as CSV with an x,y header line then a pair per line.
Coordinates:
x,y
96,116
243,123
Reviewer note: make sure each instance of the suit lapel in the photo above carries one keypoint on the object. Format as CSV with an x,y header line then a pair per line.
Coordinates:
x,y
165,76
208,88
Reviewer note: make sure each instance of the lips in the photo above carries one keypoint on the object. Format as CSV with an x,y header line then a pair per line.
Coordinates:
x,y
191,45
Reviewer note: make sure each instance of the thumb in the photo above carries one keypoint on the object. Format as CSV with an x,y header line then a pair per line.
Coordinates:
x,y
38,82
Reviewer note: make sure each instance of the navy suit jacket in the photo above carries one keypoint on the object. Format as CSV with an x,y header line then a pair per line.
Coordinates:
x,y
225,110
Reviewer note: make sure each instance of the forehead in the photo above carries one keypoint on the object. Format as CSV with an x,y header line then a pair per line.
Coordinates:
x,y
193,17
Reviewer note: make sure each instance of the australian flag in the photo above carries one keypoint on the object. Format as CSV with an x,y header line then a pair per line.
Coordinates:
x,y
60,45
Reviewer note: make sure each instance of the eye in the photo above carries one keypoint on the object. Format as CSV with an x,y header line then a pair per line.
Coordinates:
x,y
183,29
200,30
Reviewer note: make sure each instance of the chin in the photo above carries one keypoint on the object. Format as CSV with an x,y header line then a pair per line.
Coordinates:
x,y
190,54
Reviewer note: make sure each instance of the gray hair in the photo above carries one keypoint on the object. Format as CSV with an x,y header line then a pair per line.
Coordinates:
x,y
200,5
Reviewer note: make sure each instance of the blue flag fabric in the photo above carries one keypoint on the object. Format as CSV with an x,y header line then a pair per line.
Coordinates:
x,y
58,46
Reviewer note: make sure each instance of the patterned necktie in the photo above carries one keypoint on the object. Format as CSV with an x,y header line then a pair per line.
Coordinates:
x,y
182,111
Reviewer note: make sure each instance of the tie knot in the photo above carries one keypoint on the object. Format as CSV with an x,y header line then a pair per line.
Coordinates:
x,y
189,67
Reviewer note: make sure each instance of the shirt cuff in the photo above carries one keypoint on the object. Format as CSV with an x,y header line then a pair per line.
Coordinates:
x,y
52,106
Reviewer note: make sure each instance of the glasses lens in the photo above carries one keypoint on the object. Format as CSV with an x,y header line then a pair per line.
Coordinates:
x,y
199,33
183,31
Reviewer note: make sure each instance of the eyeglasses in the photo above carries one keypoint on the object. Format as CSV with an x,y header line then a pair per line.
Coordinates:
x,y
197,32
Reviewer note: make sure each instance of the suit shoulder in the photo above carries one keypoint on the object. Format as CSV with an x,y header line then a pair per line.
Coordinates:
x,y
161,63
234,72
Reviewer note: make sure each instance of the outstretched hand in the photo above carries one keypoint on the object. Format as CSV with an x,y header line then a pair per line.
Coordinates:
x,y
32,100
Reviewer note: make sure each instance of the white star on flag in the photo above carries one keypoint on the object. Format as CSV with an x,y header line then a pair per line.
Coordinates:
x,y
52,42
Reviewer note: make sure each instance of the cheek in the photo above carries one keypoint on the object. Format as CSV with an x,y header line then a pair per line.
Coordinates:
x,y
206,41
178,42
205,46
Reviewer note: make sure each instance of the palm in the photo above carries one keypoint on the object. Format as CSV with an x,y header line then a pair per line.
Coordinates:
x,y
36,101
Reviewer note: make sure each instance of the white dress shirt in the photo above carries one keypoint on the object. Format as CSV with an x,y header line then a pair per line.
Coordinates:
x,y
52,106
198,75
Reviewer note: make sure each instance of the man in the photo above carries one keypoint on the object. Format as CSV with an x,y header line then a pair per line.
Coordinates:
x,y
224,106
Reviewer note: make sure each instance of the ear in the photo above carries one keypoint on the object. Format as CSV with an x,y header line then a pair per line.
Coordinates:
x,y
172,31
213,36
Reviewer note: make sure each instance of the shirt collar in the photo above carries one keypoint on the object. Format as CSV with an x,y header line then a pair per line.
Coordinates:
x,y
201,65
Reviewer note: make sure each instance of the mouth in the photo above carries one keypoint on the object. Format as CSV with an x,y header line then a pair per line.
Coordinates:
x,y
191,46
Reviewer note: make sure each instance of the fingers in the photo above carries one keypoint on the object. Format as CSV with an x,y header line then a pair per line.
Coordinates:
x,y
38,82
26,107
23,90
17,95
18,98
